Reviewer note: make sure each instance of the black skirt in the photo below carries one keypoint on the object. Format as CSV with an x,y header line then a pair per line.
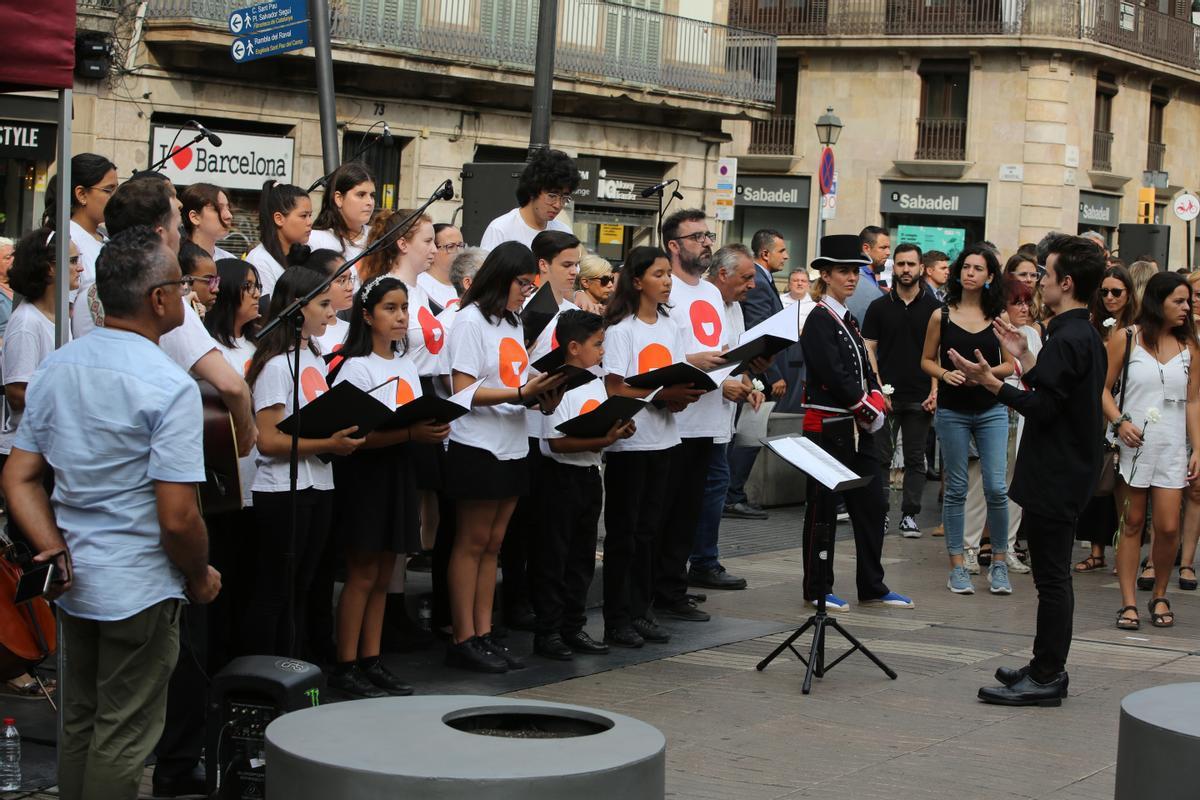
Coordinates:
x,y
376,507
1098,521
475,474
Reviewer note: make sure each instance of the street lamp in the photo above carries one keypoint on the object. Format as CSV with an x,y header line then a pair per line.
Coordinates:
x,y
829,128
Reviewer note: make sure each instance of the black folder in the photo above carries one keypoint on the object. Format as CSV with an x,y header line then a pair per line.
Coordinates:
x,y
427,406
576,377
682,372
599,420
538,312
555,359
343,406
765,345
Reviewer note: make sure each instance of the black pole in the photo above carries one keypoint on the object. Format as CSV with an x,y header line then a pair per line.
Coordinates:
x,y
318,12
289,557
543,76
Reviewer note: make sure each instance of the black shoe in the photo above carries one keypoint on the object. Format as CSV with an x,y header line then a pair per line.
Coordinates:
x,y
472,655
421,562
500,650
190,784
743,511
682,609
351,681
580,642
551,645
715,578
385,679
1026,692
651,631
697,597
520,617
1008,676
624,636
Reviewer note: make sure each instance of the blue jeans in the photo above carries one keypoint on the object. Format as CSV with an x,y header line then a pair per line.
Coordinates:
x,y
704,546
955,430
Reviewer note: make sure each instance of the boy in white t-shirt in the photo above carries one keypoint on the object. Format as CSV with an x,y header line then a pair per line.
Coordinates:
x,y
570,494
543,192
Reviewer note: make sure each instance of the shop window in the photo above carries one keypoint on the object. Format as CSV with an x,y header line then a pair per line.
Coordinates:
x,y
942,126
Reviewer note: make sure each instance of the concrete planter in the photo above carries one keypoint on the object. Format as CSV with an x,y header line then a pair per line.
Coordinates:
x,y
444,747
1157,743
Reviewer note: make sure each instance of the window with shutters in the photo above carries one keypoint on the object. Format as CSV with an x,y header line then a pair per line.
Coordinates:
x,y
634,39
511,28
397,20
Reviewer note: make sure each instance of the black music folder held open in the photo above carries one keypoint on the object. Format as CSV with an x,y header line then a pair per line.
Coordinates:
x,y
764,346
682,372
427,406
538,312
343,406
599,420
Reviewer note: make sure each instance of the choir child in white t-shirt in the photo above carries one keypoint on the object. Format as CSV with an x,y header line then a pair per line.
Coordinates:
x,y
285,221
325,263
346,209
485,464
376,514
436,281
264,627
570,494
641,337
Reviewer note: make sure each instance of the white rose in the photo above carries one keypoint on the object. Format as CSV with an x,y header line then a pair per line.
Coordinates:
x,y
758,385
1108,323
1153,415
888,390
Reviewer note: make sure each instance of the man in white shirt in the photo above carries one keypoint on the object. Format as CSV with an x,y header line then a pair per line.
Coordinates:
x,y
543,192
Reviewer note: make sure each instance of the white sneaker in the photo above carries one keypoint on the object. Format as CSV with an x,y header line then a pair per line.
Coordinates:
x,y
971,560
909,528
1016,565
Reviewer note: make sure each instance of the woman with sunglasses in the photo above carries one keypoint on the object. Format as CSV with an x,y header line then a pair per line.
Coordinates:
x,y
436,280
1113,308
594,280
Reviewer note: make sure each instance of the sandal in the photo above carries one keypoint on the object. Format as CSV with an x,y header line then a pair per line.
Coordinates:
x,y
25,685
1159,620
1187,584
1146,582
985,554
1091,564
1128,623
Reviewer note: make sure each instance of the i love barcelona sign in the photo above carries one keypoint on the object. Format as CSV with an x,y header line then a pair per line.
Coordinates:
x,y
242,161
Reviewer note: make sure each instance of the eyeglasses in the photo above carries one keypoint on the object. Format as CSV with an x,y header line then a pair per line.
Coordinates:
x,y
450,247
555,198
251,287
344,280
1113,292
106,189
184,285
526,284
699,237
213,281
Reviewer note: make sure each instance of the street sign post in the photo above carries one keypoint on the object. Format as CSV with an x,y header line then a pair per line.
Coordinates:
x,y
274,42
270,28
1187,208
726,188
825,171
267,15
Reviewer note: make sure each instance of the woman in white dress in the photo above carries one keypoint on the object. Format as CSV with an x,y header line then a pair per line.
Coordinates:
x,y
346,209
285,221
1161,417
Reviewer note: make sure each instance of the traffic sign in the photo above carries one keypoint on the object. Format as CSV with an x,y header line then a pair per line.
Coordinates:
x,y
1187,207
267,15
726,188
825,172
270,43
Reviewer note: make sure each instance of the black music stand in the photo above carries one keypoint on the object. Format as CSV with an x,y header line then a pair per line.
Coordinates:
x,y
827,475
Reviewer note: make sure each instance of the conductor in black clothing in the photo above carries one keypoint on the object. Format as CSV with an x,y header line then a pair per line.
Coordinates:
x,y
1059,459
841,383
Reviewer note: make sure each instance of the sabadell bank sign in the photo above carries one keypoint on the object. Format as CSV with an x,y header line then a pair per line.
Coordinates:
x,y
242,161
934,199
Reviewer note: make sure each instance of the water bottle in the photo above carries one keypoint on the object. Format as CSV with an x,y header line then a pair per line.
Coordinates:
x,y
10,757
425,613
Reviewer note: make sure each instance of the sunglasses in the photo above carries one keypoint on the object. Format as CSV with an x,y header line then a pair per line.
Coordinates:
x,y
605,280
1112,292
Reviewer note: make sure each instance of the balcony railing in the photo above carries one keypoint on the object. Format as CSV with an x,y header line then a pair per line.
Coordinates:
x,y
941,139
1125,24
1102,151
1156,156
773,137
611,42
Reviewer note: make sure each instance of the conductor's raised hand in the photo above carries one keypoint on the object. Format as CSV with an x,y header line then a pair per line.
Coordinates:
x,y
343,443
429,431
972,372
1011,338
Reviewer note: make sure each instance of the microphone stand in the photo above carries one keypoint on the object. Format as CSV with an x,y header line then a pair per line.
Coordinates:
x,y
294,315
366,145
171,151
663,210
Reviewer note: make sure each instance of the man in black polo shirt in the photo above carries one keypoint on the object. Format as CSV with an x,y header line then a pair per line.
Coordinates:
x,y
1059,459
894,332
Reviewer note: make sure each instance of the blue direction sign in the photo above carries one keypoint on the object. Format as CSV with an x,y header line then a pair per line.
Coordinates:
x,y
266,15
270,43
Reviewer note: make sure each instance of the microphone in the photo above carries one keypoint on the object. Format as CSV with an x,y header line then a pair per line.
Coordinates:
x,y
205,132
650,191
445,191
387,135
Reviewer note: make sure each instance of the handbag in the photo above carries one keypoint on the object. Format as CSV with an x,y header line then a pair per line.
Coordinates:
x,y
1111,454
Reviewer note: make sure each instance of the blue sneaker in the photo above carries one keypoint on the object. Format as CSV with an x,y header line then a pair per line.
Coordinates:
x,y
891,600
960,581
998,578
832,603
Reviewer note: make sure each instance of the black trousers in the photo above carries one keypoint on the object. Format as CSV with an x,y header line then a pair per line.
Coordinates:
x,y
563,559
677,535
634,485
233,551
266,628
911,422
178,750
522,531
866,506
1050,541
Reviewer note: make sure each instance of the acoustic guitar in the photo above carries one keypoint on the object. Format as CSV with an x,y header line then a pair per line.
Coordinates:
x,y
221,491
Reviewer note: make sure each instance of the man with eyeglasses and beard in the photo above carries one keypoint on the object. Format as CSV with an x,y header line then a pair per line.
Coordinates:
x,y
543,192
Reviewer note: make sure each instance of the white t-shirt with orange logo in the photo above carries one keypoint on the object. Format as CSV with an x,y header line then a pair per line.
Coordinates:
x,y
369,371
444,294
426,335
274,387
495,353
547,340
239,357
699,311
574,403
632,347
